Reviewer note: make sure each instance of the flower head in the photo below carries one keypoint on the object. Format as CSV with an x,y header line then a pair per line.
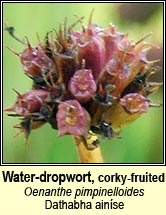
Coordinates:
x,y
95,78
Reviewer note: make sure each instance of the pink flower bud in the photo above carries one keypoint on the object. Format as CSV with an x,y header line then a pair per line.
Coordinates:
x,y
134,103
111,39
91,48
120,71
72,118
93,51
35,60
29,102
82,85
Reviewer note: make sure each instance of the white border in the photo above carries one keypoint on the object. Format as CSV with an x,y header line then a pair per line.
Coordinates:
x,y
75,164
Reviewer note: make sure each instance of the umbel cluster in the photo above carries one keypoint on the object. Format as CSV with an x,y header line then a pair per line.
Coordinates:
x,y
92,80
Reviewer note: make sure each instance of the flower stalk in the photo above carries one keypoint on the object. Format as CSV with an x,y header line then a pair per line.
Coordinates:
x,y
85,155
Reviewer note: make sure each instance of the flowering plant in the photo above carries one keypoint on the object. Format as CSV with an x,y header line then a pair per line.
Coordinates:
x,y
87,82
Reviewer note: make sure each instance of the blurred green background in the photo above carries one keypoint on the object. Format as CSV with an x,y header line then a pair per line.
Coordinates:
x,y
141,142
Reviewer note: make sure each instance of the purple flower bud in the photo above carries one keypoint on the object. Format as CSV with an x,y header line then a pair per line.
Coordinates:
x,y
29,102
134,103
111,39
91,48
82,85
35,60
93,51
72,118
